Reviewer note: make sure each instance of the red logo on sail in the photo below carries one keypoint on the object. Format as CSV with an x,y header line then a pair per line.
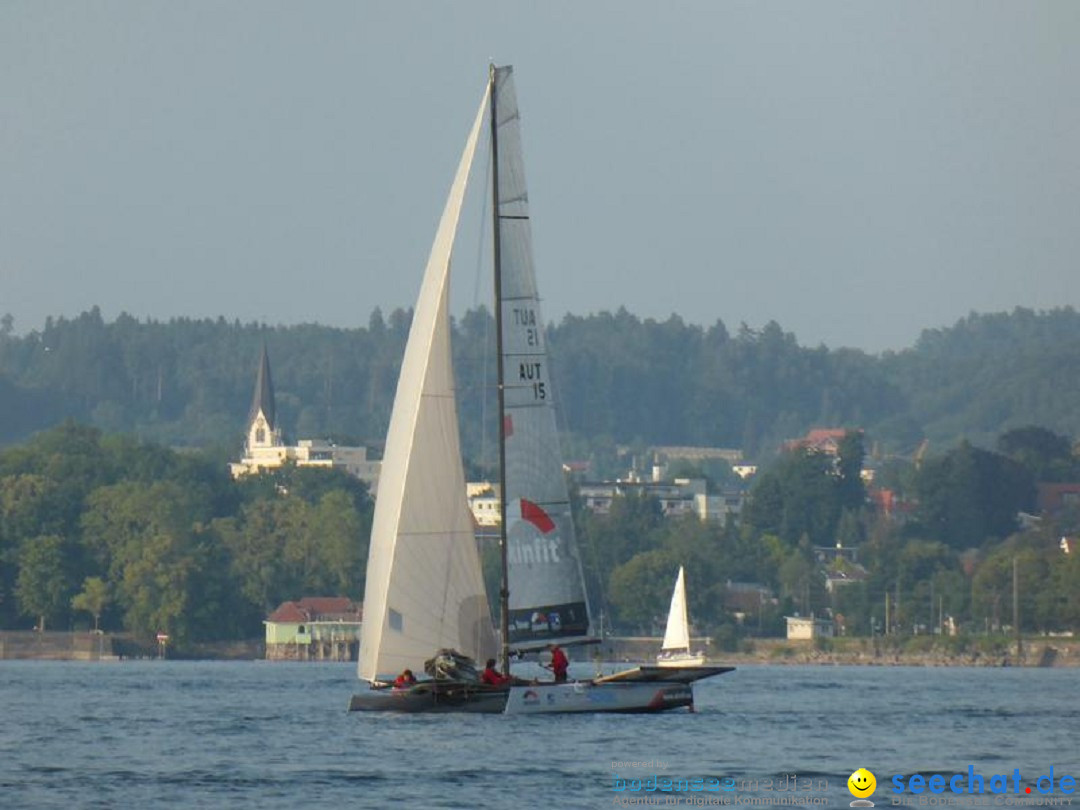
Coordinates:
x,y
508,426
536,516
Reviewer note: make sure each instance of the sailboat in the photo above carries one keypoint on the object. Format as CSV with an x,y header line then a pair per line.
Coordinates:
x,y
424,588
675,651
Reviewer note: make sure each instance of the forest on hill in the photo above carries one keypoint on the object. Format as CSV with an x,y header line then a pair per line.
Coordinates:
x,y
620,380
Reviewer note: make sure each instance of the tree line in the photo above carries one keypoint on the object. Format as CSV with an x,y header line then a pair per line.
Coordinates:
x,y
619,380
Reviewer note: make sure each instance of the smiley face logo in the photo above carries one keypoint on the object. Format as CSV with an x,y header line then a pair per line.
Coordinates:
x,y
861,783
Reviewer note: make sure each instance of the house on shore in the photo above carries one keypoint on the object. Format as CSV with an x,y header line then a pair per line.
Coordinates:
x,y
315,628
801,628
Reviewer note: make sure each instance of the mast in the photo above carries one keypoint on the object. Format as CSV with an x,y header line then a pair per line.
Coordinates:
x,y
504,589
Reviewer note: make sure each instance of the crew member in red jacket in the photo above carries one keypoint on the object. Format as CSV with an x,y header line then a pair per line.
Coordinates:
x,y
491,676
559,663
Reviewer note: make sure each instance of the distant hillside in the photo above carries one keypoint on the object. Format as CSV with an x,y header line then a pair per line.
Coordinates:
x,y
620,380
990,373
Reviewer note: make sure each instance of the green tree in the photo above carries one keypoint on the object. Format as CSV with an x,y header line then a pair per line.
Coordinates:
x,y
1061,600
849,463
43,586
24,514
93,598
1046,454
970,495
765,508
850,530
640,589
799,579
156,584
994,588
342,534
256,543
798,496
148,540
633,525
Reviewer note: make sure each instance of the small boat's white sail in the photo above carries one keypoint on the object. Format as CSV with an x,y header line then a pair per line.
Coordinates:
x,y
547,589
424,587
675,651
677,634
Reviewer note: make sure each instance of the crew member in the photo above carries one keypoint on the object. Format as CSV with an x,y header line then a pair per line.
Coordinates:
x,y
491,676
559,663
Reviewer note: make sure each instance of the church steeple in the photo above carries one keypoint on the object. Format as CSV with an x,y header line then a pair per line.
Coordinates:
x,y
264,448
262,431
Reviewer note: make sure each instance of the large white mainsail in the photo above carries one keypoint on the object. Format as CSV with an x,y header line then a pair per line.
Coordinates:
x,y
424,587
547,590
677,635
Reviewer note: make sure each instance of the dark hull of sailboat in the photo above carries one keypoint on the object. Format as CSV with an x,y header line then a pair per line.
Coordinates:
x,y
444,697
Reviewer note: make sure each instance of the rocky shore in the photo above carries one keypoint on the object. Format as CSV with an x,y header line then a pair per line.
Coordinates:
x,y
976,652
911,651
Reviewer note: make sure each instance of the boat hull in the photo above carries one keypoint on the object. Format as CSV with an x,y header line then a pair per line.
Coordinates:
x,y
680,661
644,689
586,696
432,698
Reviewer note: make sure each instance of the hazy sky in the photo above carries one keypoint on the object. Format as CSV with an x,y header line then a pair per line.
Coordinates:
x,y
855,171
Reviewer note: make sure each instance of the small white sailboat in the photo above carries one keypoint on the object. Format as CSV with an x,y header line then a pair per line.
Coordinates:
x,y
424,589
675,651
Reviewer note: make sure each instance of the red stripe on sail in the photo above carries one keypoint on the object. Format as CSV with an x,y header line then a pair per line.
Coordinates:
x,y
536,516
508,426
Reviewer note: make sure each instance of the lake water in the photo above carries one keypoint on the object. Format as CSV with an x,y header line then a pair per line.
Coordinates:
x,y
276,735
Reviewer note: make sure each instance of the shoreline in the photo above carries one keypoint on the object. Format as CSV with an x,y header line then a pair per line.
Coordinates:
x,y
907,651
891,652
61,645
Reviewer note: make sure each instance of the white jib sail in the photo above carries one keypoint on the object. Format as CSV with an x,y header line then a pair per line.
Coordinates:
x,y
424,587
677,635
